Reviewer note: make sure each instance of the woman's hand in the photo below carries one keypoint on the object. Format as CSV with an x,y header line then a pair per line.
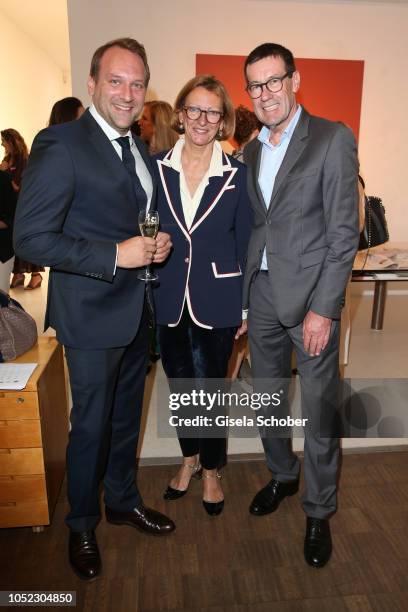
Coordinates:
x,y
241,330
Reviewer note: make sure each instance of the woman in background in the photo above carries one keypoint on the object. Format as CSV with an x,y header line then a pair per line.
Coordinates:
x,y
155,126
8,201
203,205
66,110
14,163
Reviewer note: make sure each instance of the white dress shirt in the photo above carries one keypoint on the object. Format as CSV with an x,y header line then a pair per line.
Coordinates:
x,y
140,167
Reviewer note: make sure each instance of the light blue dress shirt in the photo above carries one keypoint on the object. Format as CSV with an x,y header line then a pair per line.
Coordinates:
x,y
271,160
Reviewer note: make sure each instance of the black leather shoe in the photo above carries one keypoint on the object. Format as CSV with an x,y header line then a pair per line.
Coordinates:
x,y
318,543
196,473
84,554
268,499
145,519
213,508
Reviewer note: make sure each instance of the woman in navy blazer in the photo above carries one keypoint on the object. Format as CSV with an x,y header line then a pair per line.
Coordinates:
x,y
203,205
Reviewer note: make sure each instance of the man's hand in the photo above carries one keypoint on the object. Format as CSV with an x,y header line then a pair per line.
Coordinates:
x,y
316,332
163,244
241,330
136,252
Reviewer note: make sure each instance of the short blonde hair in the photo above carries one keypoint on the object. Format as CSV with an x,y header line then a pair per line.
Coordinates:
x,y
210,83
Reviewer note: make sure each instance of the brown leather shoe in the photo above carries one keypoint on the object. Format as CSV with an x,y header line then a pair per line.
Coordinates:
x,y
17,281
35,281
84,554
145,519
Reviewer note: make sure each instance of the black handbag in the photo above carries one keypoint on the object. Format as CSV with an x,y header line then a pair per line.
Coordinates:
x,y
375,230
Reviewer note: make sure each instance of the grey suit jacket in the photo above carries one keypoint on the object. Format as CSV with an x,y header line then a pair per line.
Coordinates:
x,y
310,228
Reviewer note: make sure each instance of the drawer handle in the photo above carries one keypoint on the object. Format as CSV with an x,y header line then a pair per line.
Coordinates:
x,y
20,400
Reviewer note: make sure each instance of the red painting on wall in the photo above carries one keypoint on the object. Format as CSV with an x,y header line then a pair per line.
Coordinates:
x,y
328,88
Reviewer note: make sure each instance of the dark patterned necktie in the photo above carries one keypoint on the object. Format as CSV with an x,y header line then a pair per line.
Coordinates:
x,y
130,165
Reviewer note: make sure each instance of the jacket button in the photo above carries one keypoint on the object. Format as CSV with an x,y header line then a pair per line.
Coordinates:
x,y
187,259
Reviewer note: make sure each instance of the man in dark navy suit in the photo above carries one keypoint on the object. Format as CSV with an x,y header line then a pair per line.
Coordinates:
x,y
78,213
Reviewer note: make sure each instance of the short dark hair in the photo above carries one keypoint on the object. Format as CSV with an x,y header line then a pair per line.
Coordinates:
x,y
130,44
246,123
65,110
274,50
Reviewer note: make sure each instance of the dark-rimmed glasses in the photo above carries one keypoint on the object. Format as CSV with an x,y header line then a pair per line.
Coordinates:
x,y
274,85
195,112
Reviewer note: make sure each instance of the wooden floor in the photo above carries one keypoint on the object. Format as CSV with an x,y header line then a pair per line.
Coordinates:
x,y
236,562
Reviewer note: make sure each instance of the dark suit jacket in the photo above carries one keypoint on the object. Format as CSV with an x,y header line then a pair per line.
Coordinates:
x,y
207,262
8,200
77,201
311,226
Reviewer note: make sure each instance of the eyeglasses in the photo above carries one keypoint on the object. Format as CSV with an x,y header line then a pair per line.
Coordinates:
x,y
274,85
194,112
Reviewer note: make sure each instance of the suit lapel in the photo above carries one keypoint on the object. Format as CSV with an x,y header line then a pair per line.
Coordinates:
x,y
253,161
170,180
105,151
148,162
217,185
295,149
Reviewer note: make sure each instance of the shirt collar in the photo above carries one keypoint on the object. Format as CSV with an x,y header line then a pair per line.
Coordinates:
x,y
216,163
109,131
263,135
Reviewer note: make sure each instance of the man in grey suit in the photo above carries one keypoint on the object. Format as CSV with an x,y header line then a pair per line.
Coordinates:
x,y
302,182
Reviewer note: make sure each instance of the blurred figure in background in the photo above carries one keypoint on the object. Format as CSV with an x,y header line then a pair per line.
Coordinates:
x,y
155,126
8,200
246,128
14,163
15,155
157,133
65,110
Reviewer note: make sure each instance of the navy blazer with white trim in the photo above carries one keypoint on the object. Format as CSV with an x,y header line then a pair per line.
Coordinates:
x,y
207,261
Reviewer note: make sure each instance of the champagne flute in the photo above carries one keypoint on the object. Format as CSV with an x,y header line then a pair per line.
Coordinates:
x,y
149,226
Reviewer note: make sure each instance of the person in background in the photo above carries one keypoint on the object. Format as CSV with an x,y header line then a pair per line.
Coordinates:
x,y
203,205
8,200
345,327
246,128
14,162
67,109
157,133
155,126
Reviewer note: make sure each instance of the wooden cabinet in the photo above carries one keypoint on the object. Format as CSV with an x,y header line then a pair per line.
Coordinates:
x,y
33,439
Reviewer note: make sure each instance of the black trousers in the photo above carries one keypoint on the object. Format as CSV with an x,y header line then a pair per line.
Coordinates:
x,y
189,351
107,394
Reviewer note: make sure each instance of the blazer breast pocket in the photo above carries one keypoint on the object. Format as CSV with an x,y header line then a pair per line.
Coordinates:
x,y
297,176
226,269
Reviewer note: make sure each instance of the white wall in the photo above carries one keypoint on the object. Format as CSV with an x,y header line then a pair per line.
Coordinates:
x,y
173,32
31,82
